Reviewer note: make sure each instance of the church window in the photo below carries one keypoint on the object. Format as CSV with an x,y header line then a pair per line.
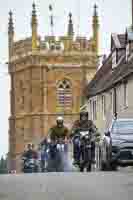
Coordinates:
x,y
64,95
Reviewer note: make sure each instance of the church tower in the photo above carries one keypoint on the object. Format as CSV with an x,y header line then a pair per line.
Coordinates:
x,y
47,78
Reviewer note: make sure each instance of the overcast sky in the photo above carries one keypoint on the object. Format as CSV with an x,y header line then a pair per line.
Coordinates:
x,y
115,16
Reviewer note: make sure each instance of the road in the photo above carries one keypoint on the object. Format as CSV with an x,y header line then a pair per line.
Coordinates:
x,y
68,186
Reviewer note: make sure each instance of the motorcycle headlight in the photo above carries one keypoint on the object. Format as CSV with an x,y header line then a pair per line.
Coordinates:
x,y
49,141
87,137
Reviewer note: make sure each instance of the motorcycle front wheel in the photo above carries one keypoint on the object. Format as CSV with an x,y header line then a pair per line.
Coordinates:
x,y
89,167
81,169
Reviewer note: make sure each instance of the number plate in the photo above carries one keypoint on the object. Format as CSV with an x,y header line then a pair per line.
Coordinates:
x,y
88,146
83,133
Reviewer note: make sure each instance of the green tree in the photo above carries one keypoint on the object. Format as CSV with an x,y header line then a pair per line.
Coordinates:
x,y
3,165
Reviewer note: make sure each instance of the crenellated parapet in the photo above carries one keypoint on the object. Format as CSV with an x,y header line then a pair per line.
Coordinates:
x,y
51,44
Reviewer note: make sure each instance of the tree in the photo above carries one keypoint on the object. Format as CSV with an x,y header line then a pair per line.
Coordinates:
x,y
3,165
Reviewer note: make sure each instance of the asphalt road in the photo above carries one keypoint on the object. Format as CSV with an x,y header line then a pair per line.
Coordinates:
x,y
68,186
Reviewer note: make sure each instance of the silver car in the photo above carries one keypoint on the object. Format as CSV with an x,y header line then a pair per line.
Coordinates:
x,y
116,147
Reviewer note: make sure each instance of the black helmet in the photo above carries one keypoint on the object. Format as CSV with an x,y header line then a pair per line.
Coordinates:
x,y
84,114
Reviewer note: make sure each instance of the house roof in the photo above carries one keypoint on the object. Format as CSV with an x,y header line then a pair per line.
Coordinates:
x,y
106,77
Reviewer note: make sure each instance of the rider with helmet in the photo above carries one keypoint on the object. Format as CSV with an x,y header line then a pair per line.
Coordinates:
x,y
58,146
31,152
84,123
59,130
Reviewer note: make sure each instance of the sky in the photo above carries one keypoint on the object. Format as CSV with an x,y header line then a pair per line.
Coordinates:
x,y
114,17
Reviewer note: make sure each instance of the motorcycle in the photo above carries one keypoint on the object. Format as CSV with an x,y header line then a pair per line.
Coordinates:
x,y
30,165
85,141
57,153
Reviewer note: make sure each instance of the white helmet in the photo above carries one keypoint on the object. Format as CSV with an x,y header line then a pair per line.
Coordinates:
x,y
60,119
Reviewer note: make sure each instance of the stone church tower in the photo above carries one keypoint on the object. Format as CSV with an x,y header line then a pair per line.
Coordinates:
x,y
47,79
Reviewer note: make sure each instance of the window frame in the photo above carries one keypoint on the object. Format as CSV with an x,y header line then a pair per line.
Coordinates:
x,y
64,92
94,109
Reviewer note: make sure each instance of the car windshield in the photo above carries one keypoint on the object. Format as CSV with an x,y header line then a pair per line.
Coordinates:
x,y
122,127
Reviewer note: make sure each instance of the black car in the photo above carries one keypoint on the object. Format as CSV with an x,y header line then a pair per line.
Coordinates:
x,y
116,147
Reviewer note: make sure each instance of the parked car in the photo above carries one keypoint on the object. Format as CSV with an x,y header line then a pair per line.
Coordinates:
x,y
116,146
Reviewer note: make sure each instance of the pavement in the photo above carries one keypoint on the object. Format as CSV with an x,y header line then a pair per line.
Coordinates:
x,y
68,186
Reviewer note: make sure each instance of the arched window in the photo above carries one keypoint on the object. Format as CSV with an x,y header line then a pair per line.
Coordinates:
x,y
64,95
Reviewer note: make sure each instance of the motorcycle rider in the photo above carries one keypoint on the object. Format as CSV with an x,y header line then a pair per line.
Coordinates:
x,y
60,133
30,152
59,130
84,123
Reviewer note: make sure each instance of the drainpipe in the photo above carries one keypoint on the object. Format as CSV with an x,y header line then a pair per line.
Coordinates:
x,y
115,104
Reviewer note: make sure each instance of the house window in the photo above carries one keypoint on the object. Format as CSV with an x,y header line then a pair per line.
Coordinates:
x,y
64,95
125,95
103,106
94,110
91,110
111,101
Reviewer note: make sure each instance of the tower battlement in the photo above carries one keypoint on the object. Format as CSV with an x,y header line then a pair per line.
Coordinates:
x,y
51,44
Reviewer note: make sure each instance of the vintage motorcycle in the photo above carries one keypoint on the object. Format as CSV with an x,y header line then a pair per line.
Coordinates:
x,y
57,154
30,165
84,139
